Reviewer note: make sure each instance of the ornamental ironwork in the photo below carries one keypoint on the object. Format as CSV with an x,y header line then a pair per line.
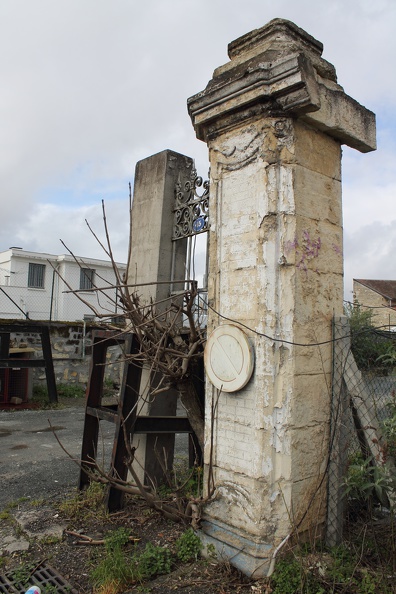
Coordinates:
x,y
191,208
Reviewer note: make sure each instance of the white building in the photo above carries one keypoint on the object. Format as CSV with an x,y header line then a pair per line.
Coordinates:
x,y
35,286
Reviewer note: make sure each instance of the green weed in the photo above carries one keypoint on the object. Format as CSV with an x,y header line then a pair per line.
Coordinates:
x,y
121,567
22,574
366,481
70,391
17,502
85,503
370,351
40,397
65,391
50,539
154,561
37,502
188,546
115,570
287,577
337,570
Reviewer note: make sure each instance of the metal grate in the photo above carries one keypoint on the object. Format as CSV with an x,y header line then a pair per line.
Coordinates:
x,y
191,209
44,576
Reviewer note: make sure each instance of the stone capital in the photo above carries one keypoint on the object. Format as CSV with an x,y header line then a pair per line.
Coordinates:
x,y
278,70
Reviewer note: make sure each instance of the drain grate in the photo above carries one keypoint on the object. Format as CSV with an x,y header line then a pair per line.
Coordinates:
x,y
44,576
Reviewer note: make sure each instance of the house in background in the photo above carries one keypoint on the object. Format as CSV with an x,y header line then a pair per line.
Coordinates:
x,y
380,296
34,285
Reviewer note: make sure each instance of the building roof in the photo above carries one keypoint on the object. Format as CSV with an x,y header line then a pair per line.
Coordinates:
x,y
386,288
30,255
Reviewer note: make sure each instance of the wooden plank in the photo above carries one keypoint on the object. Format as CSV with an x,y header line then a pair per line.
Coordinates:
x,y
22,363
4,344
49,364
94,399
357,390
129,395
103,413
148,424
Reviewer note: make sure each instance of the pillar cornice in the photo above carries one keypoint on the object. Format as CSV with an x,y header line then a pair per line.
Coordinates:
x,y
278,70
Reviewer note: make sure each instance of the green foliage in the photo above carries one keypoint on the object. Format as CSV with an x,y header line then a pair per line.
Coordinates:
x,y
287,577
194,484
65,391
338,570
186,482
188,546
70,391
370,348
16,502
154,561
116,539
389,357
5,513
22,574
388,428
211,552
121,568
115,571
366,480
83,503
342,565
40,397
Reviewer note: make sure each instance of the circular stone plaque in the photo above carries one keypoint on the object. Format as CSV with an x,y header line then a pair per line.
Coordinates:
x,y
229,358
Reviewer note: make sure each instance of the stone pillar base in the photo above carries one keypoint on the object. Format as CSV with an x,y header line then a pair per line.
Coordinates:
x,y
251,558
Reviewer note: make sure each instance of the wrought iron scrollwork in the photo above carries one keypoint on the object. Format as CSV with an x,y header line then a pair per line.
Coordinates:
x,y
191,209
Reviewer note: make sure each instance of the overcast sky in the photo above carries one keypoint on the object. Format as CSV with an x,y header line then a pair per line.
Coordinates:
x,y
89,87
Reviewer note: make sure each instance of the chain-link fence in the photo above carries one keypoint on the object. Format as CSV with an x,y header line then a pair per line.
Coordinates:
x,y
363,419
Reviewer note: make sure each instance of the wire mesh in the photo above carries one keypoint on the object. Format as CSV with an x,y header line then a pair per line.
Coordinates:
x,y
363,401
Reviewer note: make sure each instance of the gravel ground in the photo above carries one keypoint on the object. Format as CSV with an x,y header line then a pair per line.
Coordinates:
x,y
37,476
32,463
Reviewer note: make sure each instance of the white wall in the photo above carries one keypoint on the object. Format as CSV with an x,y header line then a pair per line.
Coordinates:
x,y
17,299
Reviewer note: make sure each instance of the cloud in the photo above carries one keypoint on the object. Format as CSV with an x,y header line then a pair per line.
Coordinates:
x,y
74,231
370,253
89,88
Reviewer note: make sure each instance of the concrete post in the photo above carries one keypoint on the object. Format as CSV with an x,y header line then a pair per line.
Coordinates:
x,y
274,119
153,258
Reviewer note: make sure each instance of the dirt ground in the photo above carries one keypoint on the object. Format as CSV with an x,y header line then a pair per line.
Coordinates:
x,y
39,529
75,561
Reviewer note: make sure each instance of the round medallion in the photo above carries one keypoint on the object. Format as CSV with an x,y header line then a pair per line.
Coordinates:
x,y
198,224
229,358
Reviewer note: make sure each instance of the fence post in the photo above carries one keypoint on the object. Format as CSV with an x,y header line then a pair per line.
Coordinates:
x,y
338,432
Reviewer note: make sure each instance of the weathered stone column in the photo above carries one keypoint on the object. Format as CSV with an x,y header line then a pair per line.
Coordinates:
x,y
154,259
274,119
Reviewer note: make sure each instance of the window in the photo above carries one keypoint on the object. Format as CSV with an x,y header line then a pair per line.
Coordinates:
x,y
87,276
36,276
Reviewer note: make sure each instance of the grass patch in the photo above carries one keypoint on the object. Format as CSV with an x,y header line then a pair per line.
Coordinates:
x,y
65,392
123,566
340,569
86,503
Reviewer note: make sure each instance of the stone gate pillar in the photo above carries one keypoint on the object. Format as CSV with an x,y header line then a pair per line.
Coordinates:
x,y
274,119
152,264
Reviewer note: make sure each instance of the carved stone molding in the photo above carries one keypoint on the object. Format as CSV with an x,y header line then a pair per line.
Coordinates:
x,y
278,71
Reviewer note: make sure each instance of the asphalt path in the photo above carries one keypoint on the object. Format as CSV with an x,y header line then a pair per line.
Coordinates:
x,y
32,463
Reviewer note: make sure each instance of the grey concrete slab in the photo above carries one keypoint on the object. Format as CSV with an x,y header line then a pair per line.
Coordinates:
x,y
32,463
